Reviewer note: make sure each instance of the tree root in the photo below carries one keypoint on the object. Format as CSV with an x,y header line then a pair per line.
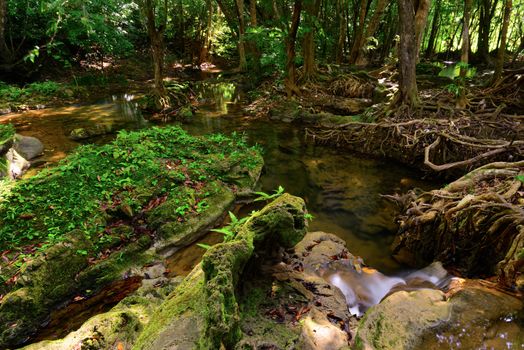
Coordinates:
x,y
475,224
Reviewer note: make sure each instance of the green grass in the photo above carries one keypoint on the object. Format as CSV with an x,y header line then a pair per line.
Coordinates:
x,y
98,183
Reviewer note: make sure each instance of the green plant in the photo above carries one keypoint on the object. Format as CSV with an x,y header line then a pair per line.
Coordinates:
x,y
520,178
265,197
204,246
7,131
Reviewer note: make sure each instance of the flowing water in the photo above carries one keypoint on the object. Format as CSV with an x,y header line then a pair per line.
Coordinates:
x,y
342,190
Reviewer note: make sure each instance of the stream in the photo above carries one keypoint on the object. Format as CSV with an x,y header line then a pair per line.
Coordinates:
x,y
342,190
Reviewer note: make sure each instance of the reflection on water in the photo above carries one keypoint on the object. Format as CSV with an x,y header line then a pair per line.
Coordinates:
x,y
342,190
53,125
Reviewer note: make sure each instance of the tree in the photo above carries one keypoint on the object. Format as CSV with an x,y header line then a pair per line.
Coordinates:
x,y
156,25
357,39
502,47
430,49
421,17
464,57
291,79
341,7
371,28
408,92
311,9
241,33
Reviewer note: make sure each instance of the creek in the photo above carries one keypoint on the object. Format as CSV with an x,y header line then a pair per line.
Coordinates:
x,y
342,190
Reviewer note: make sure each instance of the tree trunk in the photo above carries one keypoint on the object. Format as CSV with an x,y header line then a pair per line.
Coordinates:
x,y
487,11
253,13
357,41
502,48
372,27
342,30
421,18
156,36
204,53
228,15
242,66
408,93
430,50
309,39
3,20
464,57
290,80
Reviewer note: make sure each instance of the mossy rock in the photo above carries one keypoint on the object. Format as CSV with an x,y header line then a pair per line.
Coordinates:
x,y
203,313
134,182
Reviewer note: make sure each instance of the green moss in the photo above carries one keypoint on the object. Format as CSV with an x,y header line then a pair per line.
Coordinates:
x,y
161,174
203,312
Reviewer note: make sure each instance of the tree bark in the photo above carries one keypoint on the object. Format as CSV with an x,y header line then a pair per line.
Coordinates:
x,y
464,57
290,80
372,27
342,30
408,93
156,36
242,66
3,22
487,11
204,53
430,50
310,67
357,40
502,47
421,18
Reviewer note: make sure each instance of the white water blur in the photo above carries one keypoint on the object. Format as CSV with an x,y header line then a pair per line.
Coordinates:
x,y
365,287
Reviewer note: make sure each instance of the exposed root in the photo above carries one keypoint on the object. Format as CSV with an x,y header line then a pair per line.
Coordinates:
x,y
476,223
352,86
436,135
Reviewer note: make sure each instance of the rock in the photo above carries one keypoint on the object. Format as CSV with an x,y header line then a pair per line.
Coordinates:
x,y
320,334
16,164
399,320
28,147
185,112
85,133
473,316
203,311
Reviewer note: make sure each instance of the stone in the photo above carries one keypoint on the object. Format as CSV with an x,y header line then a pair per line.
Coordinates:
x,y
471,314
88,132
16,164
27,146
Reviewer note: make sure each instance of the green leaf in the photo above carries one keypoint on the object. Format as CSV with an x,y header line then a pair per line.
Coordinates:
x,y
204,246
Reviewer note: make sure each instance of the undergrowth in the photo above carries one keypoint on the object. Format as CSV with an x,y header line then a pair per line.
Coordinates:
x,y
97,183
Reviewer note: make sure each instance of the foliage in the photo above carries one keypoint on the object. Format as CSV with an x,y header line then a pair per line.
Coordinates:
x,y
115,179
270,42
266,197
7,131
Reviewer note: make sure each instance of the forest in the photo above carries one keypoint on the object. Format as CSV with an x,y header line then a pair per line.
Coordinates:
x,y
261,174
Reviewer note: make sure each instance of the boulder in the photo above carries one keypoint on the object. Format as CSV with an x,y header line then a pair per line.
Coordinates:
x,y
471,316
203,312
27,146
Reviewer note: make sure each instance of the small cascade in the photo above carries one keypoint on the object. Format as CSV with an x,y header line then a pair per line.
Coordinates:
x,y
364,287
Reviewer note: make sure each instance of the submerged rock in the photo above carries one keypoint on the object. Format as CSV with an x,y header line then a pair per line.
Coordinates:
x,y
85,133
